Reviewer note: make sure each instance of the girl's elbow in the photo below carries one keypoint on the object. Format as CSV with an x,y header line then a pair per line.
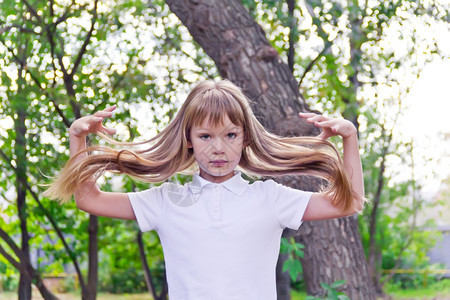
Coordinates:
x,y
81,204
358,205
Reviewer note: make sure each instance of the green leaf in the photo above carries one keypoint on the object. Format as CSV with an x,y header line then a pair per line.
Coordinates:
x,y
337,283
294,267
325,286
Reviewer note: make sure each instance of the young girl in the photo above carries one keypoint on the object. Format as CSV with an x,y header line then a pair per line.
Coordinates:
x,y
220,234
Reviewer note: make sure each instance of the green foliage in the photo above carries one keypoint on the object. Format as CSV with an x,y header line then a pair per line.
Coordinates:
x,y
8,277
121,259
124,280
292,263
117,67
439,289
331,292
141,58
355,65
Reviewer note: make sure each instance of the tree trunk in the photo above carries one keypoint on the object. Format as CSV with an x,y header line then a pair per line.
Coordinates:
x,y
148,275
283,279
335,255
238,46
24,266
89,292
373,256
92,278
20,147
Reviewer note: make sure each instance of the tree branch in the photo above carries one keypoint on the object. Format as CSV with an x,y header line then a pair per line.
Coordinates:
x,y
311,64
69,251
54,53
36,80
86,41
21,29
12,261
16,58
316,21
24,266
32,10
64,16
58,110
9,241
291,50
322,34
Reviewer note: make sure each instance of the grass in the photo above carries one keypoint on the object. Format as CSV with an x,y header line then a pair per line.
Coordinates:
x,y
298,295
76,296
435,291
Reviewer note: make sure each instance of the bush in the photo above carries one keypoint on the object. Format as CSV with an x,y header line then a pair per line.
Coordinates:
x,y
129,280
9,280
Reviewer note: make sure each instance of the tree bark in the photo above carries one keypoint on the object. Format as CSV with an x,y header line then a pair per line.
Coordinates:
x,y
374,259
283,279
92,278
148,275
24,292
242,54
90,291
24,266
335,255
292,31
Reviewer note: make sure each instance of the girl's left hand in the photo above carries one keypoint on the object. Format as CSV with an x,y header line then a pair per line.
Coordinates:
x,y
330,127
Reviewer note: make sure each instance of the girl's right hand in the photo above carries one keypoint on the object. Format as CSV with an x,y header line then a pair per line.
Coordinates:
x,y
92,124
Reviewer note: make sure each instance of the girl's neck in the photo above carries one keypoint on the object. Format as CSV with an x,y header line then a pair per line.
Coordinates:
x,y
215,178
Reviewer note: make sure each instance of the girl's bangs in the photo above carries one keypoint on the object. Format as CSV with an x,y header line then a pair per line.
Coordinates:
x,y
213,105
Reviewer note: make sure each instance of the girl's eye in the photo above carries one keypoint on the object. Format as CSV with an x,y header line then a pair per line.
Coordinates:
x,y
204,136
231,135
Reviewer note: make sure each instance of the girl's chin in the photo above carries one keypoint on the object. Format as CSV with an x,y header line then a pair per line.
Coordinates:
x,y
215,175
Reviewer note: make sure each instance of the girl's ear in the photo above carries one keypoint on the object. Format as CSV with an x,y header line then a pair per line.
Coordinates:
x,y
189,144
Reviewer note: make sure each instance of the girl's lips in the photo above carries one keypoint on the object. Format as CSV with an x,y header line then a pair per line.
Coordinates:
x,y
218,162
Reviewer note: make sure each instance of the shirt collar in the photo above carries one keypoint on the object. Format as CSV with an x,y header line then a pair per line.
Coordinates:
x,y
235,184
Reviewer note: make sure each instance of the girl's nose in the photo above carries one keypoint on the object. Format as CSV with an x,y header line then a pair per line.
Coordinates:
x,y
218,146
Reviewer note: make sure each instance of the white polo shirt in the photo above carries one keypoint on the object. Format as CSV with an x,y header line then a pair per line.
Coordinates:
x,y
220,240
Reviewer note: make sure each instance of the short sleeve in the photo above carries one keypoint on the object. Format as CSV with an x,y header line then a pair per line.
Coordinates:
x,y
290,204
147,206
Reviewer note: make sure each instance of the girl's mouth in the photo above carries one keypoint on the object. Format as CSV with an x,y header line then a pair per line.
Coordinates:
x,y
218,163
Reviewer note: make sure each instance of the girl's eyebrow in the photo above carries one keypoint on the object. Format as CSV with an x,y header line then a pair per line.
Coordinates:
x,y
234,128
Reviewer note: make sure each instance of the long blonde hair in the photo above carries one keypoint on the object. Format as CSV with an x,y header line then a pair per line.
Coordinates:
x,y
168,153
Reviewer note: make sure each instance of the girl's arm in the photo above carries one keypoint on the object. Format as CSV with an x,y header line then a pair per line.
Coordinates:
x,y
320,206
89,197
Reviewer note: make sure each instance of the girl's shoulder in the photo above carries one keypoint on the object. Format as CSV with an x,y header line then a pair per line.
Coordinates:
x,y
271,187
265,186
264,183
164,188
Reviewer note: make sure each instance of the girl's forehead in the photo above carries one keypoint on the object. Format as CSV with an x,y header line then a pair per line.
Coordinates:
x,y
212,123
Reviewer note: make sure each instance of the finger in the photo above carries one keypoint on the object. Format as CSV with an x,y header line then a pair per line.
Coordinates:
x,y
95,119
84,128
307,115
104,114
110,108
324,123
109,131
322,135
317,118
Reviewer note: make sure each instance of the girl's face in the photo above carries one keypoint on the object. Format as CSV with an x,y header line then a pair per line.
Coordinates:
x,y
217,149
